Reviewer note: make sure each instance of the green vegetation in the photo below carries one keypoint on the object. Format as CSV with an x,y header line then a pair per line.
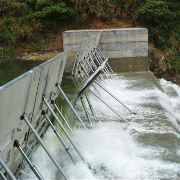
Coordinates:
x,y
25,20
161,17
33,20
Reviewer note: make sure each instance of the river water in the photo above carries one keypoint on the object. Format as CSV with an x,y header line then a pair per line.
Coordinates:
x,y
146,148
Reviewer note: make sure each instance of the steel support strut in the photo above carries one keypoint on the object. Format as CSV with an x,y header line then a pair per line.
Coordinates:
x,y
113,97
71,106
59,136
62,127
33,168
85,110
91,108
60,113
3,176
102,56
96,82
89,102
8,171
93,66
108,106
24,117
99,62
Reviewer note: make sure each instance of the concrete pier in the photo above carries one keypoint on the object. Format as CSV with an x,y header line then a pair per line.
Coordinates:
x,y
127,49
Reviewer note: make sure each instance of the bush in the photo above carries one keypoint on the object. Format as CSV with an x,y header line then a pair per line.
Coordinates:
x,y
161,17
20,20
175,62
155,13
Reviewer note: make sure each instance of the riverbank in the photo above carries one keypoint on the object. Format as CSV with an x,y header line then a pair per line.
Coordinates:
x,y
49,45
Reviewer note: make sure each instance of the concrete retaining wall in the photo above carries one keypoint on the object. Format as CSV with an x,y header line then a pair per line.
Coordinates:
x,y
115,44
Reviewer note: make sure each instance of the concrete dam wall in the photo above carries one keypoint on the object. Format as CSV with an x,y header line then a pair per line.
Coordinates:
x,y
127,49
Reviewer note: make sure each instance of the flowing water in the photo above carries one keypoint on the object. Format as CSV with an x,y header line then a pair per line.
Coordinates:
x,y
146,148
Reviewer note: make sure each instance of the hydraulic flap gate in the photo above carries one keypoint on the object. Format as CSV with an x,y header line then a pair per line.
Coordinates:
x,y
90,69
31,101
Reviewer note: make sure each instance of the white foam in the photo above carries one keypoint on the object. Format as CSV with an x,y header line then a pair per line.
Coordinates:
x,y
118,150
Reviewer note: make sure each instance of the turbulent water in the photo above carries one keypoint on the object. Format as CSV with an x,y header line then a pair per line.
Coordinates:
x,y
146,148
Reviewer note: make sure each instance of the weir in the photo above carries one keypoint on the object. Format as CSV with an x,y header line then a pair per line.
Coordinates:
x,y
28,104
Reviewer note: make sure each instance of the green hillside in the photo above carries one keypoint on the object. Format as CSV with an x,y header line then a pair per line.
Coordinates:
x,y
34,21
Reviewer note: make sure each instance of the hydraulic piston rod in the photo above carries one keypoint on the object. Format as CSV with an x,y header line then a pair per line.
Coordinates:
x,y
71,106
102,56
109,106
113,96
59,136
85,110
8,171
96,82
62,127
90,106
24,117
60,113
33,168
2,176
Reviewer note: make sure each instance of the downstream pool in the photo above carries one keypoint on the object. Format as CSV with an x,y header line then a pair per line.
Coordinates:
x,y
146,148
